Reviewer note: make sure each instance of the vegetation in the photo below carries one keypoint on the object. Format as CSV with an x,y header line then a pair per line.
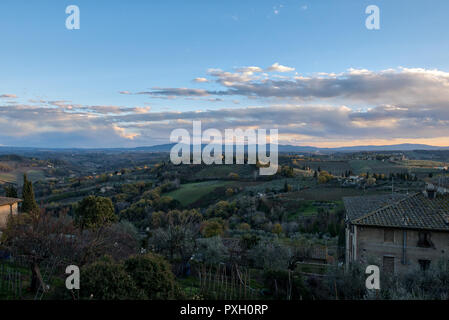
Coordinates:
x,y
29,203
94,212
142,228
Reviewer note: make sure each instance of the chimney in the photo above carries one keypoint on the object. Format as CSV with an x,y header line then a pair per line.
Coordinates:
x,y
431,191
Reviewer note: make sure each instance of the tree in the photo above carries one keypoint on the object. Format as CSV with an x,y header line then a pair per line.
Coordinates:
x,y
175,233
277,228
213,227
107,280
229,192
11,191
244,226
42,238
324,177
94,212
270,255
211,251
29,202
153,275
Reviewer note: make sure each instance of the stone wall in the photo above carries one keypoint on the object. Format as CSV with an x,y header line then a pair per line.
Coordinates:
x,y
373,244
5,212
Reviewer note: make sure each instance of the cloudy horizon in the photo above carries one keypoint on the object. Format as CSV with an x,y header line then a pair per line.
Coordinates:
x,y
129,92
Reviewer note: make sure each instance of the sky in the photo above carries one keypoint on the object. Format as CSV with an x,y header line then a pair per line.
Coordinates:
x,y
136,70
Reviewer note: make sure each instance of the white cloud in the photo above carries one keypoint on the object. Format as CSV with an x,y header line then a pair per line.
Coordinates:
x,y
276,67
200,80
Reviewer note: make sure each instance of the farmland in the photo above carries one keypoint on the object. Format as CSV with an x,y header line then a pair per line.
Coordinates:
x,y
191,192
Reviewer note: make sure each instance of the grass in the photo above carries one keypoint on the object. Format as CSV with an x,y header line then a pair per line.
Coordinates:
x,y
191,192
329,194
424,163
309,208
16,176
375,166
223,171
190,286
8,177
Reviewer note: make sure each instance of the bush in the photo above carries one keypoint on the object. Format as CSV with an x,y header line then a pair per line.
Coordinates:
x,y
270,254
107,280
211,250
153,276
94,212
213,228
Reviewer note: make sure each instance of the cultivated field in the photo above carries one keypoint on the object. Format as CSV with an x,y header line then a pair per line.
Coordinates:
x,y
190,192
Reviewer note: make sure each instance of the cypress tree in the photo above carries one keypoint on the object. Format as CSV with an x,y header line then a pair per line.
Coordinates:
x,y
29,203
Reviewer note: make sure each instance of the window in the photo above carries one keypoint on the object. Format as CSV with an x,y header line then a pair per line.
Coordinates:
x,y
424,240
424,264
388,264
388,235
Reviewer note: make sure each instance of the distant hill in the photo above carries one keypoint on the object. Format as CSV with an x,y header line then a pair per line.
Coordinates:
x,y
281,148
291,148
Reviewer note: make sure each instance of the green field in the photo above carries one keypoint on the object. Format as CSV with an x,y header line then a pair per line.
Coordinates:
x,y
7,177
190,192
223,171
376,166
329,194
17,176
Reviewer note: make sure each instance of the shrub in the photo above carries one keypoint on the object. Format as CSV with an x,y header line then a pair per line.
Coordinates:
x,y
211,250
153,276
107,280
213,228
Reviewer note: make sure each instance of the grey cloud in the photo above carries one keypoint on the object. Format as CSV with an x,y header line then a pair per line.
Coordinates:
x,y
177,92
402,86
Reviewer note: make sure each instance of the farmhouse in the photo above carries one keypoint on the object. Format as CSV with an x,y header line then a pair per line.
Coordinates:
x,y
398,232
8,206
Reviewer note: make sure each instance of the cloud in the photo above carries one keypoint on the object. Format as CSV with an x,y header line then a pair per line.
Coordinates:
x,y
276,67
316,124
8,96
176,92
410,86
250,70
200,80
393,105
124,134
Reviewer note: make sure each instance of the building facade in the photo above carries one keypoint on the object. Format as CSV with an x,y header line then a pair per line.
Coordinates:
x,y
8,207
397,232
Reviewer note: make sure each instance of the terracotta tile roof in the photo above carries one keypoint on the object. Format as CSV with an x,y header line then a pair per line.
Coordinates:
x,y
414,212
362,205
8,201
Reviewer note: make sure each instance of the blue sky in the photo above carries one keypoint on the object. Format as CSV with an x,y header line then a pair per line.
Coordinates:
x,y
142,46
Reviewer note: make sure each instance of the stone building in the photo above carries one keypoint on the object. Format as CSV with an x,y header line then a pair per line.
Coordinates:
x,y
8,206
398,232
